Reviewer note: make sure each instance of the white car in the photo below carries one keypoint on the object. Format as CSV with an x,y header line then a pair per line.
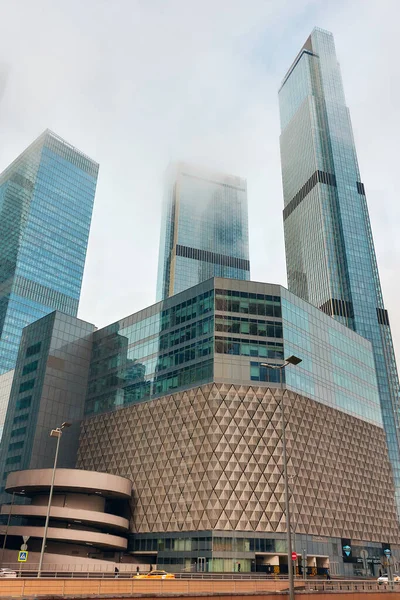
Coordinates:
x,y
385,578
7,573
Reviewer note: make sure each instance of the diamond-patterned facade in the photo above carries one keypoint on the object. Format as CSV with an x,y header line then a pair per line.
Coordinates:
x,y
211,458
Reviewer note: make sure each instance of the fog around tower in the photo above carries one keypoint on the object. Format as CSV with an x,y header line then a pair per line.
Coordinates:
x,y
136,84
3,79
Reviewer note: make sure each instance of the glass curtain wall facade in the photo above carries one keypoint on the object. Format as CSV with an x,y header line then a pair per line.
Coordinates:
x,y
263,323
337,365
222,552
204,229
165,347
223,330
330,255
48,388
46,202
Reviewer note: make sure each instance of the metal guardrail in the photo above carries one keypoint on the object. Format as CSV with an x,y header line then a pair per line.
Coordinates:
x,y
218,576
76,568
65,573
309,584
107,585
343,585
128,571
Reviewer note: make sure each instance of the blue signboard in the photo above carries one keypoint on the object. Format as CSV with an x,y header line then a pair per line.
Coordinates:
x,y
22,556
347,550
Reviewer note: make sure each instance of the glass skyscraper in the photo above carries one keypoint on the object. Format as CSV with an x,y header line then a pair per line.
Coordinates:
x,y
46,202
330,254
204,229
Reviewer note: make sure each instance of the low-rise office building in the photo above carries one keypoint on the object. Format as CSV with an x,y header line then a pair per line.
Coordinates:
x,y
206,465
180,400
183,400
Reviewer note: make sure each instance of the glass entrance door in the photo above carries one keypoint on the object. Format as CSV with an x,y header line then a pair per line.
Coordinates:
x,y
201,564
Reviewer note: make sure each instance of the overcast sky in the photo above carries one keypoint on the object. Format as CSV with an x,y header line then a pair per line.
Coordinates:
x,y
137,83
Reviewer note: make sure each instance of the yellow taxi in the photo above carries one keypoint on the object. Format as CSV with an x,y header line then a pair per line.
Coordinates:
x,y
155,575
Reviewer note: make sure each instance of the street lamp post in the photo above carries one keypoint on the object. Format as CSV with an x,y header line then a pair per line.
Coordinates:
x,y
292,360
53,433
293,522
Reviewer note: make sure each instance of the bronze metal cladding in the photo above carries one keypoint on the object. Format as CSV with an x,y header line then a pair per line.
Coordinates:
x,y
211,458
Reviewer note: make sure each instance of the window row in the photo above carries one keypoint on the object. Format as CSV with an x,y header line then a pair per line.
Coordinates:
x,y
30,367
185,354
248,348
190,309
260,373
12,460
26,385
184,334
134,369
21,418
172,544
247,295
19,431
143,390
23,403
34,349
248,326
215,544
15,446
248,306
225,544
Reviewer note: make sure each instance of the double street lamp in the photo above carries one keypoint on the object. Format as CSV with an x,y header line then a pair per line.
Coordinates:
x,y
57,433
292,360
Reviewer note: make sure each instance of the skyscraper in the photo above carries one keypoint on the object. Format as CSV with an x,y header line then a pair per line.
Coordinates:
x,y
46,202
204,229
330,254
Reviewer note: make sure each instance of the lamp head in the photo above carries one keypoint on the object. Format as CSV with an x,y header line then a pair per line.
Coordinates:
x,y
293,360
57,432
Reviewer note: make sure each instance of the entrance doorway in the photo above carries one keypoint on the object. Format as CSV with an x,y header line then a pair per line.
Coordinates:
x,y
201,564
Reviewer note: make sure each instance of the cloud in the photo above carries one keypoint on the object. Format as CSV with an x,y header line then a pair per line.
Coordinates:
x,y
135,84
